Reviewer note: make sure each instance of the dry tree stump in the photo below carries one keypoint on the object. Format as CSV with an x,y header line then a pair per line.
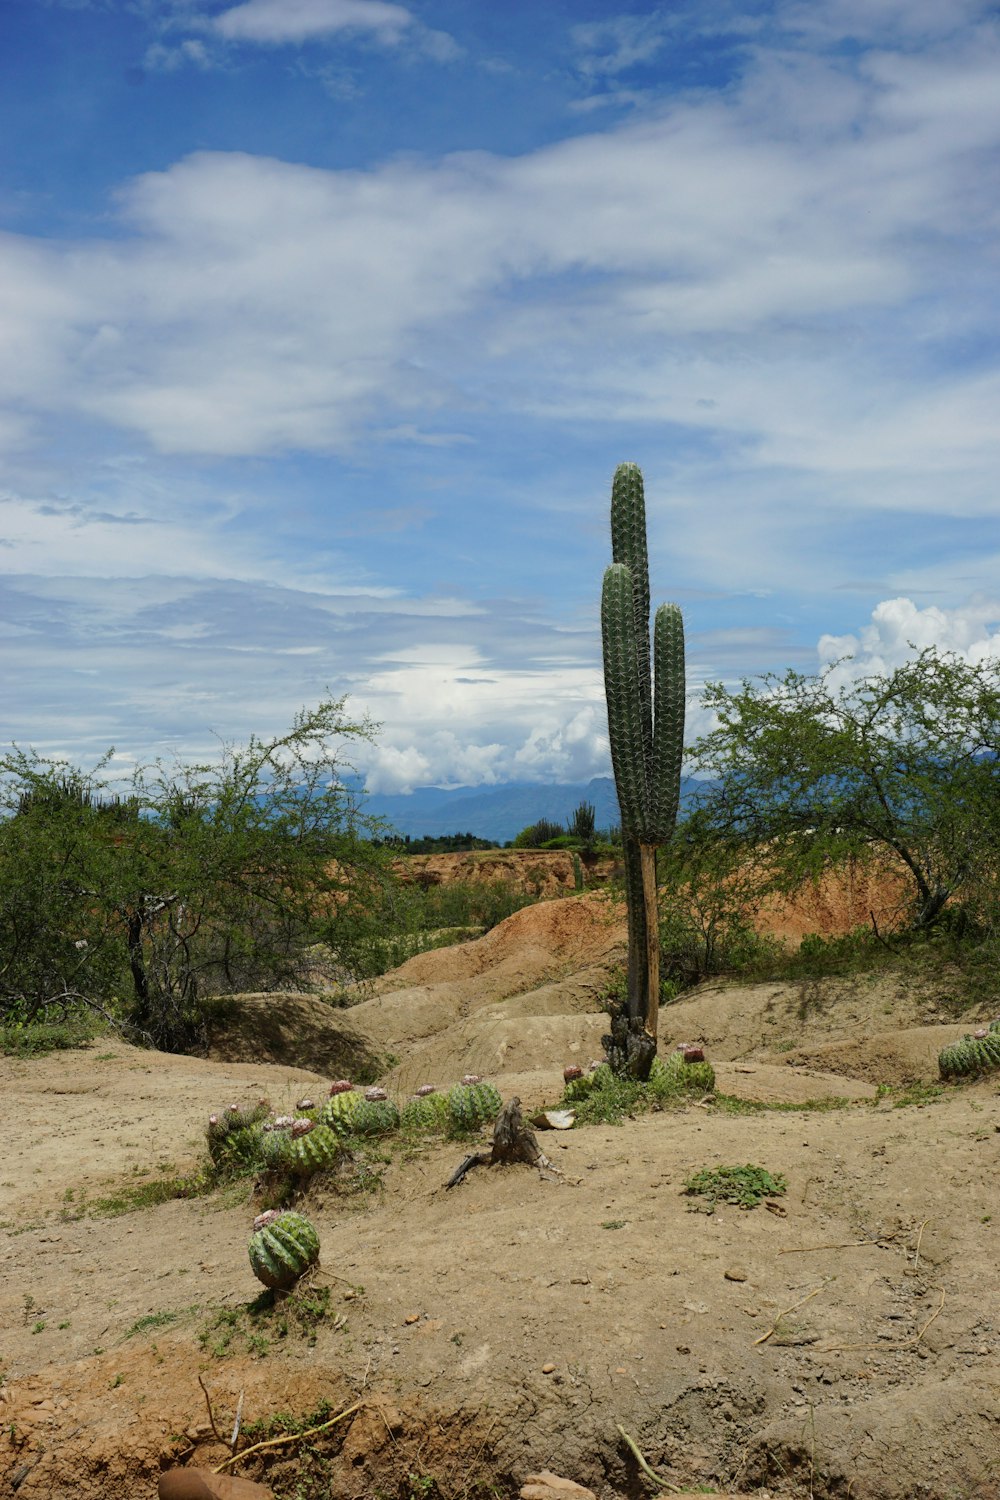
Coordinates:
x,y
512,1142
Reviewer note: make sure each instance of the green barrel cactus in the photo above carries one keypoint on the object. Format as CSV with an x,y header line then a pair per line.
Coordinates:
x,y
472,1105
339,1109
282,1248
374,1117
645,728
578,1089
310,1151
972,1055
425,1112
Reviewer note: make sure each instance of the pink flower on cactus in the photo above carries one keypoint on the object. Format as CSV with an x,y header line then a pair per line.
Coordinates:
x,y
262,1220
692,1054
375,1095
425,1089
471,1078
213,1119
283,1122
342,1086
593,1067
572,1072
302,1127
305,1104
980,1032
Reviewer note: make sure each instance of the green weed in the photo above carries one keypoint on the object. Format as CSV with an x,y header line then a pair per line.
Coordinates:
x,y
745,1186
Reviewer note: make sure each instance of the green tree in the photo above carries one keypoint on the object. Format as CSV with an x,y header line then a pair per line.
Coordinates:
x,y
903,764
209,878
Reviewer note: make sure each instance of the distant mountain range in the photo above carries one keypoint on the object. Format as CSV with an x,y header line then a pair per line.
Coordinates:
x,y
500,812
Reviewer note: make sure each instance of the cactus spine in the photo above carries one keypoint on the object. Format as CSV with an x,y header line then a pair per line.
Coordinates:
x,y
646,729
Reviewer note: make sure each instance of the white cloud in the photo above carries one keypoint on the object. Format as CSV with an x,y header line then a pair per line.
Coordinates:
x,y
255,305
612,46
900,630
278,21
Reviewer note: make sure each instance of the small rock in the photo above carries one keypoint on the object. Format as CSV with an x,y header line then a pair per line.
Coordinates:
x,y
412,1318
547,1369
549,1486
202,1484
735,1273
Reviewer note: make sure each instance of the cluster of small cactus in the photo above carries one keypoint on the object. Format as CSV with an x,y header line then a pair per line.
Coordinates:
x,y
682,1071
234,1136
977,1052
251,1138
283,1246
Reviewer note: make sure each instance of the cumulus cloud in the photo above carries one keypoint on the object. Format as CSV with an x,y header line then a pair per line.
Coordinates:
x,y
899,630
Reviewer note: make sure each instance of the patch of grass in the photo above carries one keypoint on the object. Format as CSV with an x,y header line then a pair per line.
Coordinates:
x,y
613,1098
159,1320
38,1038
728,1104
254,1326
919,1093
745,1186
134,1197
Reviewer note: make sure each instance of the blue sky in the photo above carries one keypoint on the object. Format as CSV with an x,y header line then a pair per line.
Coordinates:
x,y
324,323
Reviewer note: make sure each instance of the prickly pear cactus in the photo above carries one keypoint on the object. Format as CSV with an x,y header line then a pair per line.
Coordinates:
x,y
374,1117
471,1105
425,1112
282,1248
972,1055
339,1109
312,1150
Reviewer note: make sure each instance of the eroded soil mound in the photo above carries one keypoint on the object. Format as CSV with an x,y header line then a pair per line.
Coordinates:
x,y
841,1341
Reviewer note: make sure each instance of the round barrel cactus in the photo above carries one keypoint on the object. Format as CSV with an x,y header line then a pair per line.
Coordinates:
x,y
471,1105
282,1248
374,1117
338,1111
312,1150
578,1089
425,1112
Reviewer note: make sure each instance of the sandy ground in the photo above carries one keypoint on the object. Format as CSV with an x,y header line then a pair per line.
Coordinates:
x,y
846,1344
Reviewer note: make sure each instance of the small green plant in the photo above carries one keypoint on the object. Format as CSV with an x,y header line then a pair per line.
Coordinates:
x,y
157,1320
255,1326
36,1038
601,1097
39,1326
745,1186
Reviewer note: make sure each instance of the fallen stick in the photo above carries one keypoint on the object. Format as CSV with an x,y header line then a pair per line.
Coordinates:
x,y
801,1303
633,1448
289,1437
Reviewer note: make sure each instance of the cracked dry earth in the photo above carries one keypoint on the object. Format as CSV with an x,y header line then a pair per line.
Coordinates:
x,y
848,1345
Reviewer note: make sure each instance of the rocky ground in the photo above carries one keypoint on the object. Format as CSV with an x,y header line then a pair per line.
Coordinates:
x,y
845,1342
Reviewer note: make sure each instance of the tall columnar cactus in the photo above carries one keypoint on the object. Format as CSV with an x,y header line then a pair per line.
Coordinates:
x,y
646,729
